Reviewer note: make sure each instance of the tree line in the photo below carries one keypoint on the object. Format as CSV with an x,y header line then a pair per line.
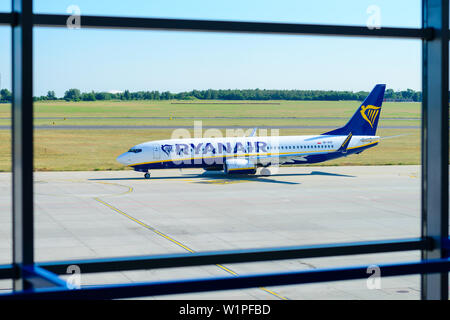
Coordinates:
x,y
230,94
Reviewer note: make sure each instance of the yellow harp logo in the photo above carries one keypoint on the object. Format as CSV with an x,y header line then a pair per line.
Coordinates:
x,y
370,113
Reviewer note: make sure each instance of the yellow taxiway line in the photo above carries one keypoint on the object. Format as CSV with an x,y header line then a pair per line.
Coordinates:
x,y
175,241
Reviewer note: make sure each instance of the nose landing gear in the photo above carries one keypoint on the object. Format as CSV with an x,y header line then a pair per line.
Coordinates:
x,y
147,175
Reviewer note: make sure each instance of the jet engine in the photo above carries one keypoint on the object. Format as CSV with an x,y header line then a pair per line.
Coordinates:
x,y
243,166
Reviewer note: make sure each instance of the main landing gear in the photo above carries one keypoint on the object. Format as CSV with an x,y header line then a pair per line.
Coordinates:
x,y
147,175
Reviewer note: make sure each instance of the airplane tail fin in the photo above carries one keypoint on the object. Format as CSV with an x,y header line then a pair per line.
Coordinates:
x,y
365,120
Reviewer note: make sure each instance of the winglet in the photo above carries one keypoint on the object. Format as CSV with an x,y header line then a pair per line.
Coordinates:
x,y
344,146
253,132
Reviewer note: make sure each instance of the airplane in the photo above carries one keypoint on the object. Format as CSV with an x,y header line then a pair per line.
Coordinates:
x,y
243,155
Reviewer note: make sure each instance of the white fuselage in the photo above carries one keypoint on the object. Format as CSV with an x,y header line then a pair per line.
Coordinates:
x,y
259,151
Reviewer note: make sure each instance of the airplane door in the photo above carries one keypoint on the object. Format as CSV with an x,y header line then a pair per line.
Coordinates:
x,y
156,153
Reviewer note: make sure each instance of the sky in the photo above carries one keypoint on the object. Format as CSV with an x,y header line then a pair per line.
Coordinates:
x,y
105,60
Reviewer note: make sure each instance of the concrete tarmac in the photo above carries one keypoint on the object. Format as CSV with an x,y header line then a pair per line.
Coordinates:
x,y
119,213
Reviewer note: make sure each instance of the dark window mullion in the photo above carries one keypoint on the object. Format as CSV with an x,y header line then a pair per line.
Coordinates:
x,y
435,144
22,140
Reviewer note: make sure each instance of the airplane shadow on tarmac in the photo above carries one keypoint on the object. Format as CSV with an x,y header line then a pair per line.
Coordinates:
x,y
220,176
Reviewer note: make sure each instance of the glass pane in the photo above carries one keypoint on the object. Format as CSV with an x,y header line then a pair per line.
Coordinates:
x,y
351,12
5,6
89,205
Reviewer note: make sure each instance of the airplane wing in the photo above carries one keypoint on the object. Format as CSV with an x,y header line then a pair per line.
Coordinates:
x,y
270,158
395,136
293,158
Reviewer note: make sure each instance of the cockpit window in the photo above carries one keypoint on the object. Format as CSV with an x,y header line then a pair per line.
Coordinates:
x,y
135,150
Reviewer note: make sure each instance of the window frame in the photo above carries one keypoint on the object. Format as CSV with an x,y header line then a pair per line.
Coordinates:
x,y
433,244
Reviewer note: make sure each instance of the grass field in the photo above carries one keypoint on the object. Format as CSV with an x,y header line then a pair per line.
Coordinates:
x,y
304,109
97,149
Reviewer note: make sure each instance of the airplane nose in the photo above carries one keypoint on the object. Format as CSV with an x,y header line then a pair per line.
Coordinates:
x,y
122,158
